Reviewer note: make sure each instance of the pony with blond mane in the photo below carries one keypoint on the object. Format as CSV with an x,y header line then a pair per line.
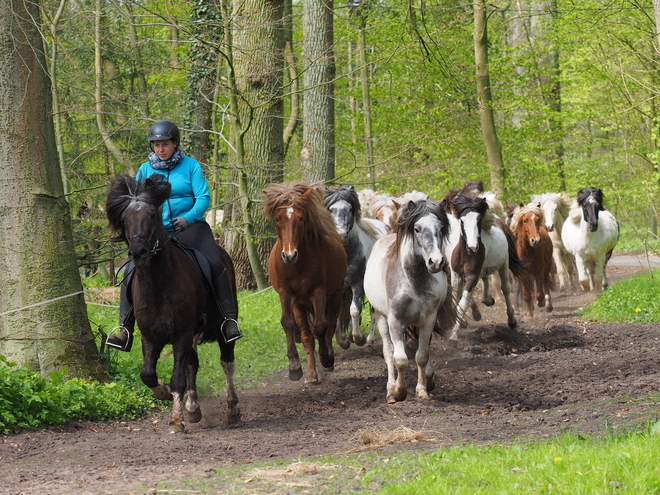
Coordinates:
x,y
534,248
555,208
306,266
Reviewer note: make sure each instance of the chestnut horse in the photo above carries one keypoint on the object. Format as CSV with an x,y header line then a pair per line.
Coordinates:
x,y
534,248
307,266
173,303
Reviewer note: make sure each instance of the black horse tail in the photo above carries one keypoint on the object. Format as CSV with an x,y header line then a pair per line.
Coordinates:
x,y
515,264
447,313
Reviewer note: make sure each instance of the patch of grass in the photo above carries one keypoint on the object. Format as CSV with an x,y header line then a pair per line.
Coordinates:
x,y
634,300
569,463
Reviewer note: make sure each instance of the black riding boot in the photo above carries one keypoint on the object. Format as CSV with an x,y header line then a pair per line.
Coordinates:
x,y
225,297
123,339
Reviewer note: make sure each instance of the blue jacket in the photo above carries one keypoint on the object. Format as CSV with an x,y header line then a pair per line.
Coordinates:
x,y
190,195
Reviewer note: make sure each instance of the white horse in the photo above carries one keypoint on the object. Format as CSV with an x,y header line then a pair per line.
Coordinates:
x,y
407,287
590,233
479,245
555,208
358,236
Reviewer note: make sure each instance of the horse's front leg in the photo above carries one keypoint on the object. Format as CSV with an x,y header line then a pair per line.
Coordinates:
x,y
371,338
388,354
150,354
425,378
486,298
326,312
356,313
301,315
505,284
398,392
291,329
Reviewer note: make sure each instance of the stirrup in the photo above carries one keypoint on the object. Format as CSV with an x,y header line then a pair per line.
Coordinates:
x,y
126,347
233,338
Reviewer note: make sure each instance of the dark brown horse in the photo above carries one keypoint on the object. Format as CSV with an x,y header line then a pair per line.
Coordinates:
x,y
171,299
307,266
534,248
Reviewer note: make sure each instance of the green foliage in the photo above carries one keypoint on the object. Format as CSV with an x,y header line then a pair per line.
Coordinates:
x,y
630,300
27,400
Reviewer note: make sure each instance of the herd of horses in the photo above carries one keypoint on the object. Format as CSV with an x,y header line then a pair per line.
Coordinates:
x,y
417,261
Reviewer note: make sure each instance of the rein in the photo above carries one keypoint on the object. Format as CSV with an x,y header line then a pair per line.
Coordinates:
x,y
157,247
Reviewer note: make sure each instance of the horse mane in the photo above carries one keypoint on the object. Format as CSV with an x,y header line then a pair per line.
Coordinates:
x,y
346,193
522,210
295,194
584,193
463,203
473,187
563,202
409,215
125,190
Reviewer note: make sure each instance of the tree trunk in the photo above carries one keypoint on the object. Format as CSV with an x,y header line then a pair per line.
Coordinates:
x,y
44,322
57,119
366,103
294,87
98,92
485,99
318,147
255,76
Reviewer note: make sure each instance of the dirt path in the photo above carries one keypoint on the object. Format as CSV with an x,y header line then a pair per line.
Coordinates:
x,y
554,373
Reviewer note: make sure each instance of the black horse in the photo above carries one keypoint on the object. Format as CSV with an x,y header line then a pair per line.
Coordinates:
x,y
172,300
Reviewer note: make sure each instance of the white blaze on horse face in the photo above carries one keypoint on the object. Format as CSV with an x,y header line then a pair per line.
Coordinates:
x,y
549,209
470,223
428,234
289,212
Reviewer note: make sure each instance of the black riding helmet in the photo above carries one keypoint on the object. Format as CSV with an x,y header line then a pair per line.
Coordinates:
x,y
163,130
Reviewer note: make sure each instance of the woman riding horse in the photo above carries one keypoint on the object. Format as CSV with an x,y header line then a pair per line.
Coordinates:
x,y
183,217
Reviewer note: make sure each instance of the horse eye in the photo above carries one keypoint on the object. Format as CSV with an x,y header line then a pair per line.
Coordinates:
x,y
416,230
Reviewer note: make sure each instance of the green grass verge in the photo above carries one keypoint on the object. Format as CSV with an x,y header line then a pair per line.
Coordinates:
x,y
567,464
634,300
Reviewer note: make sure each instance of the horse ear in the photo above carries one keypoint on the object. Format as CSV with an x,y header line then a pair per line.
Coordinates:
x,y
521,205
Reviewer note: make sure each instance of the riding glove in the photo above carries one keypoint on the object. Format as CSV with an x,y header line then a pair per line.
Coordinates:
x,y
180,224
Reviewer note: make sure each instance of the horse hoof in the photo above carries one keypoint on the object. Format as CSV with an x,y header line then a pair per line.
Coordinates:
x,y
359,340
176,427
295,375
513,323
453,343
476,315
549,308
194,416
430,383
312,381
329,368
344,344
162,392
488,302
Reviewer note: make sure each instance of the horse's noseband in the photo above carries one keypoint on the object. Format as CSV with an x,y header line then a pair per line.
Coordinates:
x,y
156,245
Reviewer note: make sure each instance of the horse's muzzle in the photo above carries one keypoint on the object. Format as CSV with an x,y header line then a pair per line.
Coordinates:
x,y
435,266
290,258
